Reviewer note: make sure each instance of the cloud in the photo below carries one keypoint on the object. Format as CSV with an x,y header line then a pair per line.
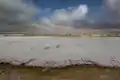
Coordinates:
x,y
66,16
16,15
111,15
109,18
113,4
75,14
77,17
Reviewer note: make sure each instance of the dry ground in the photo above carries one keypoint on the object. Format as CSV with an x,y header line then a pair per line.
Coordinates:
x,y
70,73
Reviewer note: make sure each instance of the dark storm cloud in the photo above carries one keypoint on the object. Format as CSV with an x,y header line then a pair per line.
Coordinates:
x,y
16,15
111,15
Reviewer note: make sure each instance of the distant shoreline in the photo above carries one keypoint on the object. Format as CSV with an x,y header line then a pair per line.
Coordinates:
x,y
61,35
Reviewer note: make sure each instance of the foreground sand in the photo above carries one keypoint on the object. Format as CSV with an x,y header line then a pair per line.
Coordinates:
x,y
9,72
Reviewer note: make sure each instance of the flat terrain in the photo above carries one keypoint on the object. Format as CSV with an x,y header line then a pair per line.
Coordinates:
x,y
45,49
25,48
69,73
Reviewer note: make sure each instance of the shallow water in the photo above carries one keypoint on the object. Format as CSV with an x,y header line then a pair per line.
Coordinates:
x,y
25,48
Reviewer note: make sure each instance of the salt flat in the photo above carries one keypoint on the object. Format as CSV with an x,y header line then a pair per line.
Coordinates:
x,y
25,48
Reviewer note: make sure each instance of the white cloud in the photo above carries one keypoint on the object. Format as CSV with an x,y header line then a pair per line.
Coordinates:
x,y
77,16
79,13
16,15
61,20
21,14
67,16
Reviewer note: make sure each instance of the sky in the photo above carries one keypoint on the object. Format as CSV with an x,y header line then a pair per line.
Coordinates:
x,y
95,6
56,15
